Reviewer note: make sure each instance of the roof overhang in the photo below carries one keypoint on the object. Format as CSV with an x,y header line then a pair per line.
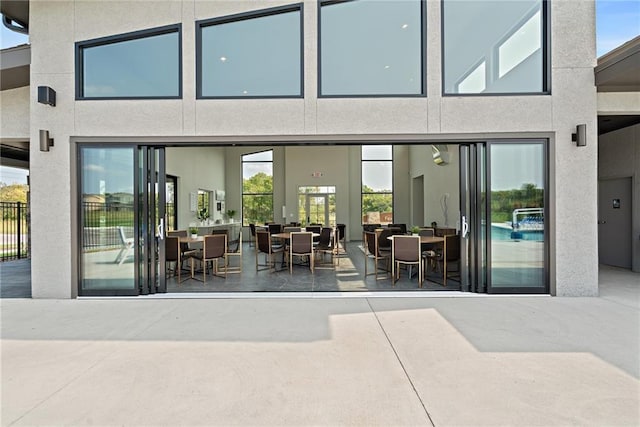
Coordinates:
x,y
15,67
619,70
16,10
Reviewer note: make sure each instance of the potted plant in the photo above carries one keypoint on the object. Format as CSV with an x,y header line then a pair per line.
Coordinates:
x,y
230,214
194,232
203,215
415,230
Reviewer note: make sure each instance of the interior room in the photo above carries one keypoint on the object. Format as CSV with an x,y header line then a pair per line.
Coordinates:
x,y
218,188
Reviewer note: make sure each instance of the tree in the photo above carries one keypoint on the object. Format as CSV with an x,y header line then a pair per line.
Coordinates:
x,y
13,192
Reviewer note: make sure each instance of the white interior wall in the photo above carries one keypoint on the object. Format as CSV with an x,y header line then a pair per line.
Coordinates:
x,y
441,183
618,157
197,168
332,163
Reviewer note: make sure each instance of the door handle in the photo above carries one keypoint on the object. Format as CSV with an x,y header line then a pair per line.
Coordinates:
x,y
160,230
465,227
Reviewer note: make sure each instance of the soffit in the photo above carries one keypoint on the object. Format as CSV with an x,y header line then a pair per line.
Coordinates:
x,y
619,70
14,67
18,10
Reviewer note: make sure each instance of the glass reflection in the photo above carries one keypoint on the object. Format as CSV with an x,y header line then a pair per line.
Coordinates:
x,y
145,67
253,57
504,37
371,47
517,215
107,219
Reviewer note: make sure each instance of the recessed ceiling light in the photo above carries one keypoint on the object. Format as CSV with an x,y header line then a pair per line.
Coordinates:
x,y
223,58
386,67
405,26
245,92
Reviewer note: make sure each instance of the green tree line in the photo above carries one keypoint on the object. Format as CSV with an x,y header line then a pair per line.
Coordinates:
x,y
504,202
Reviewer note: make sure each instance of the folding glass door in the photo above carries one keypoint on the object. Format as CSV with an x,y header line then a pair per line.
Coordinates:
x,y
121,220
503,205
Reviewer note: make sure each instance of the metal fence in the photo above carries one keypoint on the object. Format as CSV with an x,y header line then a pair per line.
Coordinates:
x,y
14,231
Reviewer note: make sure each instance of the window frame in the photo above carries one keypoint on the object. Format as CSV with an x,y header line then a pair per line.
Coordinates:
x,y
545,15
118,38
423,59
245,16
362,193
242,162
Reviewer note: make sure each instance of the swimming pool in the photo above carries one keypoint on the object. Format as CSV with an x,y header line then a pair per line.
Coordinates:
x,y
503,232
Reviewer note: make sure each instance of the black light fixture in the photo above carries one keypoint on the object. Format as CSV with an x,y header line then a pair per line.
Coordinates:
x,y
580,137
46,96
45,140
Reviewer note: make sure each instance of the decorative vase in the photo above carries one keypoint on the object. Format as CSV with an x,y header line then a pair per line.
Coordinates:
x,y
194,236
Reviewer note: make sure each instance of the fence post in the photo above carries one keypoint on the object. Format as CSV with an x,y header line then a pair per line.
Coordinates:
x,y
19,231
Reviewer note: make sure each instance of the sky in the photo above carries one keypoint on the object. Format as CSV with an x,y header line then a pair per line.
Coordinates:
x,y
617,21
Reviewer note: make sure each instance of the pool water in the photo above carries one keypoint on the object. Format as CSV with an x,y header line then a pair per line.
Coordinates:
x,y
502,233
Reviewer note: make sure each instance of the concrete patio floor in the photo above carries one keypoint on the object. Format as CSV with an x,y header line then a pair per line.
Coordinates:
x,y
487,360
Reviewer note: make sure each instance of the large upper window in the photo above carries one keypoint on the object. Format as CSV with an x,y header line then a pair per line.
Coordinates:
x,y
257,187
258,54
144,64
493,46
371,47
377,184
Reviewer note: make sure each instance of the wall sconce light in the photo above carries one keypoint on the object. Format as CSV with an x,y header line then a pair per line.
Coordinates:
x,y
46,95
440,154
45,140
580,137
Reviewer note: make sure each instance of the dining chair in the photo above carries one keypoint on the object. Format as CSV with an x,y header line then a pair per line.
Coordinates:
x,y
341,240
301,244
264,245
172,255
429,232
405,250
214,247
372,251
326,245
314,229
234,249
402,227
448,255
383,242
289,229
185,251
252,230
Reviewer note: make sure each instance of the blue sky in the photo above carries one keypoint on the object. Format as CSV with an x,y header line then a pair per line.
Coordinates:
x,y
617,21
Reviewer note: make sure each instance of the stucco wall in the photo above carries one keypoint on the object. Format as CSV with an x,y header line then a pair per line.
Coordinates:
x,y
56,26
14,123
619,157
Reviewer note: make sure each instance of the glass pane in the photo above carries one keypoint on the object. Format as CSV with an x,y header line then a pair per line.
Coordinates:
x,y
257,177
377,177
317,208
517,215
377,152
257,209
107,218
143,67
493,46
263,156
371,47
377,208
253,57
